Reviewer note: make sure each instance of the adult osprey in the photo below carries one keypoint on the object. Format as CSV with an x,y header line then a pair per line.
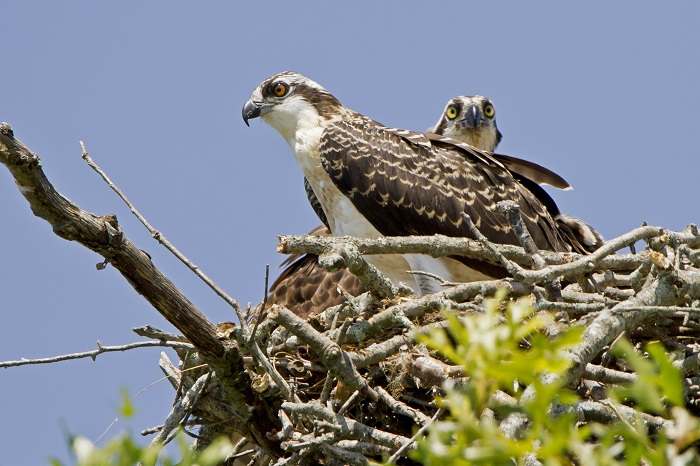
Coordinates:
x,y
472,119
374,181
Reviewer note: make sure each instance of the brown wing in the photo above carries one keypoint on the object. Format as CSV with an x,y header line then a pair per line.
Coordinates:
x,y
315,203
533,171
524,168
405,187
304,286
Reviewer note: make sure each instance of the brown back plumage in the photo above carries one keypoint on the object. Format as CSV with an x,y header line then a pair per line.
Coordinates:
x,y
304,286
425,188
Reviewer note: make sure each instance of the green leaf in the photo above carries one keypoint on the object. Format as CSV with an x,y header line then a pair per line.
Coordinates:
x,y
669,379
126,406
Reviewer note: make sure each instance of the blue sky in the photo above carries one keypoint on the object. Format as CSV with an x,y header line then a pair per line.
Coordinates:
x,y
602,93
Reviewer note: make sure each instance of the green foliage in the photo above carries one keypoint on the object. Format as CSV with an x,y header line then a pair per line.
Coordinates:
x,y
657,379
126,407
124,451
508,352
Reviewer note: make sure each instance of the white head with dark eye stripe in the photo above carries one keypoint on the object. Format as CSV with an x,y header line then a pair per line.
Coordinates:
x,y
289,101
470,119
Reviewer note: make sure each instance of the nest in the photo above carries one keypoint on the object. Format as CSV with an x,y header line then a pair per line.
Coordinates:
x,y
352,383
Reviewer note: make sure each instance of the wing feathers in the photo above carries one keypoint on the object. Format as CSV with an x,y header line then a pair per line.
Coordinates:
x,y
533,171
404,187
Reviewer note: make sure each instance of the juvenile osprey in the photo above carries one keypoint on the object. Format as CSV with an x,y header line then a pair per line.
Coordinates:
x,y
472,120
374,181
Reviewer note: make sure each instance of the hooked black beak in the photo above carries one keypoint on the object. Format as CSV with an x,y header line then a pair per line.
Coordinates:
x,y
250,110
472,116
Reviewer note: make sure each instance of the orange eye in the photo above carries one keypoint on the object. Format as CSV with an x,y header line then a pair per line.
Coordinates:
x,y
280,89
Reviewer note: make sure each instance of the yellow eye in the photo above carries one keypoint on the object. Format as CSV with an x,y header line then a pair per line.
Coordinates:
x,y
280,89
451,112
489,111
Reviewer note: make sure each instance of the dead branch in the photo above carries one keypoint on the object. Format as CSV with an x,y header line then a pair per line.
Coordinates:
x,y
347,256
103,235
94,353
157,235
441,246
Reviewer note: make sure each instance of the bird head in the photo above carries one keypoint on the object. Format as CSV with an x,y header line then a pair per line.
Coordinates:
x,y
470,119
288,101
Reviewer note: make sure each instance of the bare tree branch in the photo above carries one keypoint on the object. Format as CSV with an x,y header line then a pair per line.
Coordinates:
x,y
103,235
94,353
157,235
441,246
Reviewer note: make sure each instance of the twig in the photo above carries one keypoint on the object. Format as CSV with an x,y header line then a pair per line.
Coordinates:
x,y
157,235
173,375
397,314
587,264
287,426
511,211
328,384
252,345
346,456
609,324
562,264
392,459
435,277
94,353
103,235
429,371
330,353
263,308
348,402
606,412
440,246
513,269
149,331
348,427
605,375
197,396
327,388
347,255
401,408
366,448
377,352
180,409
572,308
239,455
155,429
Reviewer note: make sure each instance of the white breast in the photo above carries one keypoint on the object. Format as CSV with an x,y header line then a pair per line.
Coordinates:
x,y
346,220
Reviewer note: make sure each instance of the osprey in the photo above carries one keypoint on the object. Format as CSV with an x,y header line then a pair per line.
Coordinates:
x,y
472,119
372,181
